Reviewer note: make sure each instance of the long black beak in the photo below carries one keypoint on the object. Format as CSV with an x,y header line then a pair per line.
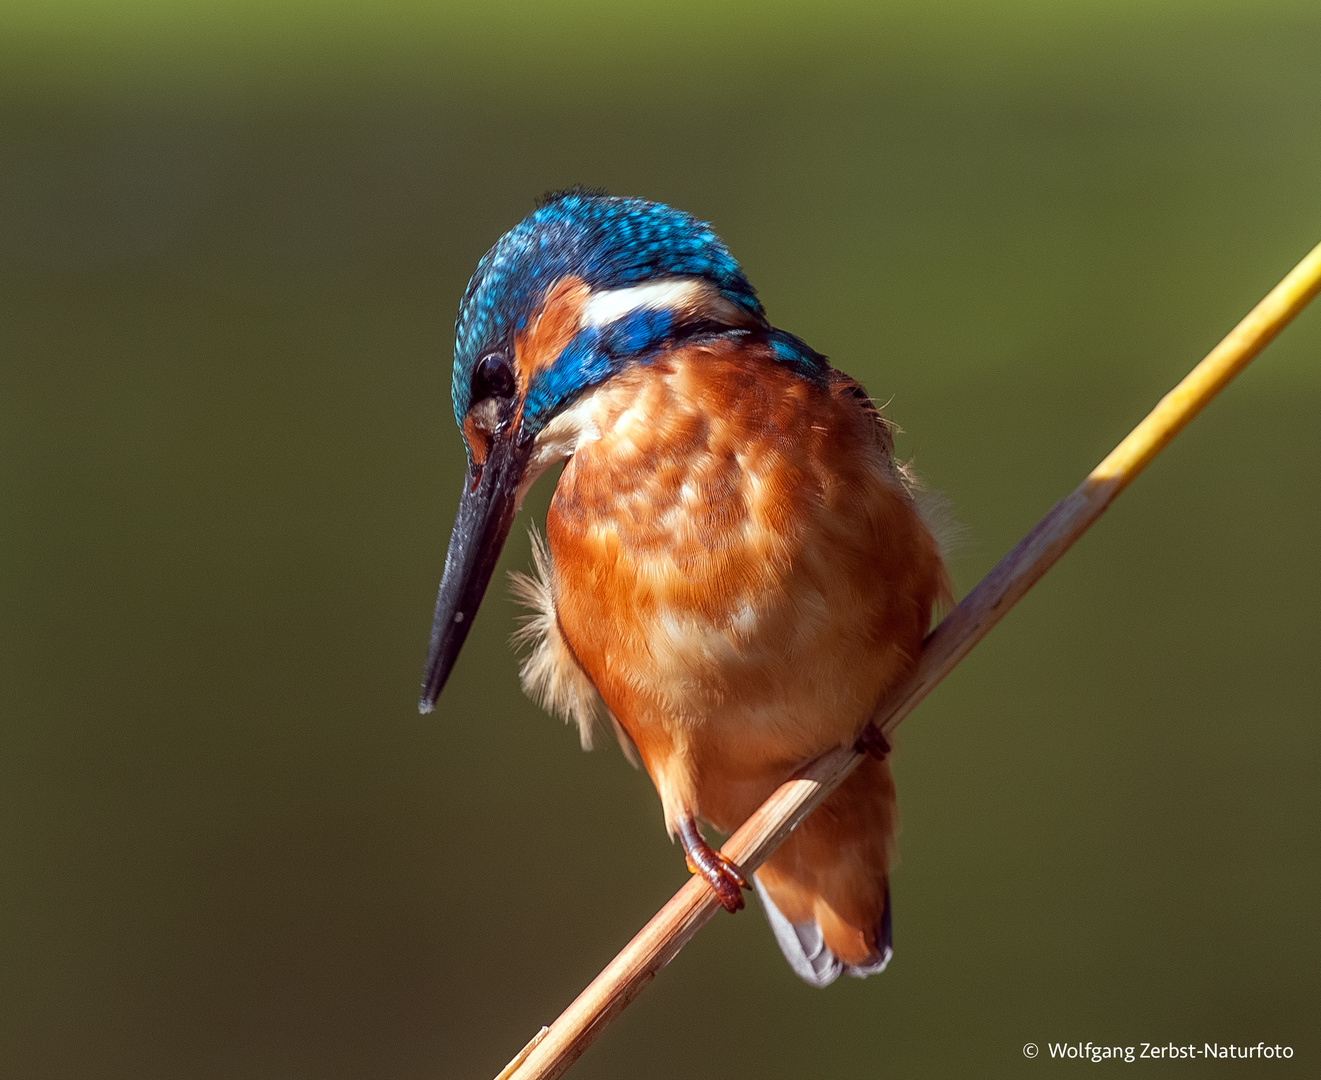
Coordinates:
x,y
486,511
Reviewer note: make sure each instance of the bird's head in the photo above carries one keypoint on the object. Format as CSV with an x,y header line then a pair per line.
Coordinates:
x,y
583,287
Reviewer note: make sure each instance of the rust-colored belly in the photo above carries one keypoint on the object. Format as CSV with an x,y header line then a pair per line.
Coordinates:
x,y
739,570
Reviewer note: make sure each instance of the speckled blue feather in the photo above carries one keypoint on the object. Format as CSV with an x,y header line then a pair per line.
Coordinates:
x,y
610,243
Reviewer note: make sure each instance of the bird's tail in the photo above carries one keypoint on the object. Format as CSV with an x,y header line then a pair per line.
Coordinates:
x,y
826,890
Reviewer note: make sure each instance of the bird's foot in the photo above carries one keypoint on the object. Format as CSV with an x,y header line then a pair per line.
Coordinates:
x,y
721,872
873,741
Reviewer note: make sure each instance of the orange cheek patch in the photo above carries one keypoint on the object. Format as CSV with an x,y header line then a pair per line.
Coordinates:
x,y
477,439
546,335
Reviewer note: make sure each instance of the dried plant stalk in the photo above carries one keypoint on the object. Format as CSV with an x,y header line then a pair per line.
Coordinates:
x,y
555,1048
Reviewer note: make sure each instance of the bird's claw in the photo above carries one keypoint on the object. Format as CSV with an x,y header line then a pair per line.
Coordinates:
x,y
873,741
725,879
719,870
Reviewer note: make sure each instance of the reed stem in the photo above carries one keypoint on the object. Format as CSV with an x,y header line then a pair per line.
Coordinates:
x,y
555,1048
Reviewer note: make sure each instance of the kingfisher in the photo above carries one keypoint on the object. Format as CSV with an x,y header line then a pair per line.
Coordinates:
x,y
735,568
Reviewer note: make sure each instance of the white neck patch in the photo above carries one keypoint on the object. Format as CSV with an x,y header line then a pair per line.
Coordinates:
x,y
560,438
605,307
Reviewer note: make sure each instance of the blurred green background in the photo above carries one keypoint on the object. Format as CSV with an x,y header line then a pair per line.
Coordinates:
x,y
232,241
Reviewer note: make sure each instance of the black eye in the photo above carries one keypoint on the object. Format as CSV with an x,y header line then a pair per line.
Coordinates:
x,y
494,377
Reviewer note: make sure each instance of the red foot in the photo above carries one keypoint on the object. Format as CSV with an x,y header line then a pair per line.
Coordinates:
x,y
871,741
721,873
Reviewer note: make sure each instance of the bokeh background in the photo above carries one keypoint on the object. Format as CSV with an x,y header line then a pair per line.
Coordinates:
x,y
233,236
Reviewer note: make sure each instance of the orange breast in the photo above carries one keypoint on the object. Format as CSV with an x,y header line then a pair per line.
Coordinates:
x,y
739,569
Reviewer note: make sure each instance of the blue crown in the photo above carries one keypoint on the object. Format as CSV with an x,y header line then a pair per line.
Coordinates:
x,y
609,242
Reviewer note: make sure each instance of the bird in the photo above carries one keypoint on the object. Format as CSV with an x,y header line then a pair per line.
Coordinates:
x,y
735,569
